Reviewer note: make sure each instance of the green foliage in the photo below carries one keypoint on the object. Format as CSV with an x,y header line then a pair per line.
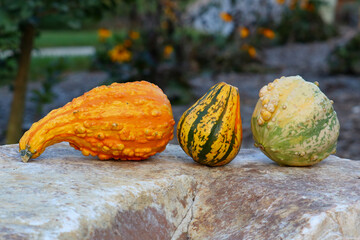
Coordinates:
x,y
301,22
15,13
7,69
345,58
45,95
60,22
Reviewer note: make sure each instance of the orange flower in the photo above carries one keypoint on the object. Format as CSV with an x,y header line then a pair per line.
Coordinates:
x,y
120,54
134,35
104,33
170,4
170,13
168,50
244,32
251,51
280,1
164,25
226,17
293,4
268,33
127,43
307,6
310,7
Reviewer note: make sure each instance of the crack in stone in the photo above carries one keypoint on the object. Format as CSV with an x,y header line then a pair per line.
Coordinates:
x,y
188,220
336,215
192,214
335,218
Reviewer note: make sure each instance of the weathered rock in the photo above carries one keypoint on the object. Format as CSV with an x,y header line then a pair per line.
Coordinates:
x,y
64,195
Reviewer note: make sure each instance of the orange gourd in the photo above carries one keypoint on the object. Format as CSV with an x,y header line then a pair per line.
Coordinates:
x,y
127,121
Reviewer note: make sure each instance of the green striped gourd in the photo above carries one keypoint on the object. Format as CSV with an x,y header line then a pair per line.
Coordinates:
x,y
294,123
210,131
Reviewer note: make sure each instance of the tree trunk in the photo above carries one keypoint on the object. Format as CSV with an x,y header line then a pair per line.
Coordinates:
x,y
14,129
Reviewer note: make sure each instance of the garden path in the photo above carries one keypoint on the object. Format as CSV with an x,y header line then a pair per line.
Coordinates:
x,y
58,51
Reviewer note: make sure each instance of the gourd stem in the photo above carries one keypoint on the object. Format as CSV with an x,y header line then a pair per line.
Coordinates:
x,y
25,155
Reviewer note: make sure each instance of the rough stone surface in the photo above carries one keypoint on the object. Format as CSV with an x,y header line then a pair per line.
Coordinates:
x,y
65,195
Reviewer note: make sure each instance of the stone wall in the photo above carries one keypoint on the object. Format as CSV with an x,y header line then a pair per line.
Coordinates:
x,y
65,195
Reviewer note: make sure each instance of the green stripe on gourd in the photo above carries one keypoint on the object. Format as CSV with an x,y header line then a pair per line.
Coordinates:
x,y
210,130
215,131
201,114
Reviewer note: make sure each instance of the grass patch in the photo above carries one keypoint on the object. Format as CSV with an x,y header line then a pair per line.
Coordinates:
x,y
67,38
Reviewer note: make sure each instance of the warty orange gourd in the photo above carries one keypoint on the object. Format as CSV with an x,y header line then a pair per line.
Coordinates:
x,y
127,121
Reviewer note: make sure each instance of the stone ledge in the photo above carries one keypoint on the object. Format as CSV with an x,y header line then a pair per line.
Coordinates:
x,y
65,195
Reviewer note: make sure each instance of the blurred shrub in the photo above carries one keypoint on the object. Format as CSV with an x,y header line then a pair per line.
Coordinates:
x,y
39,65
345,58
216,53
301,22
59,21
348,13
160,47
45,94
7,69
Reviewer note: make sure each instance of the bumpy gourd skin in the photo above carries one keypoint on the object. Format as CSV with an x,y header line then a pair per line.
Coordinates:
x,y
128,121
210,131
294,123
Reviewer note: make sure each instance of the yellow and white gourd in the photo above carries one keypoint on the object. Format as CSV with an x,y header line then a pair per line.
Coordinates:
x,y
294,123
